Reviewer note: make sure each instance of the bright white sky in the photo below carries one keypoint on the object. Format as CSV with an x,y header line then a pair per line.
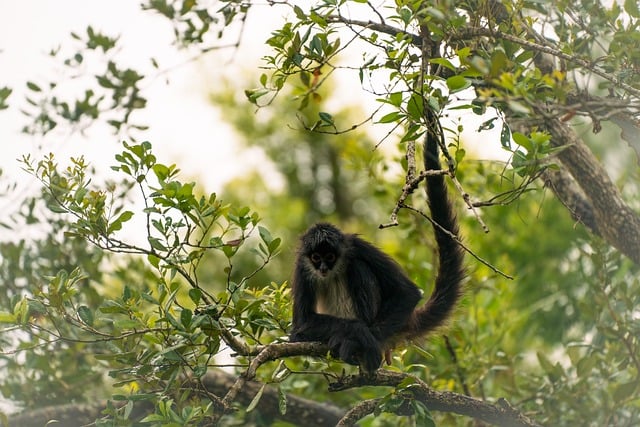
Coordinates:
x,y
184,127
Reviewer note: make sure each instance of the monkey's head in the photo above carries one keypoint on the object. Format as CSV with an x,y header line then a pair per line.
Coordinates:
x,y
321,247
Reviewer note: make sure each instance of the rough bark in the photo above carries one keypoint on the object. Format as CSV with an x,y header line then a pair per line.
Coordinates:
x,y
572,197
602,205
299,410
501,413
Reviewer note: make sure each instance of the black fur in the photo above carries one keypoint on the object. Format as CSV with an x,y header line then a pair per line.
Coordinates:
x,y
382,306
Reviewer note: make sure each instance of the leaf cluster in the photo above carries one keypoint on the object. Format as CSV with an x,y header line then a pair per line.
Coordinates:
x,y
164,325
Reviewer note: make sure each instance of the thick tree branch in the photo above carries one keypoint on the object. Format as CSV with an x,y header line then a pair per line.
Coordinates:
x,y
615,221
470,33
475,32
299,410
70,415
269,353
500,413
572,197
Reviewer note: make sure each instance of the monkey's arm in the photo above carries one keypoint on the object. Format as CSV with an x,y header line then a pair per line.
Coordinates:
x,y
307,325
348,339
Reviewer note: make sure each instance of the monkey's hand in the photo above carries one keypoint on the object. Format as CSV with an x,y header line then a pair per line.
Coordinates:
x,y
357,346
298,336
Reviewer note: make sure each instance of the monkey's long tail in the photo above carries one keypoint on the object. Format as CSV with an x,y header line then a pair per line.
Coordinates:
x,y
448,284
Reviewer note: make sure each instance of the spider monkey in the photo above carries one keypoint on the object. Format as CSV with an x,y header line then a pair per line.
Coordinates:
x,y
350,295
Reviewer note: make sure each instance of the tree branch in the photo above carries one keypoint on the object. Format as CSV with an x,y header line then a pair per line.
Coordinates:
x,y
358,412
470,33
269,353
571,196
299,410
615,221
501,413
374,26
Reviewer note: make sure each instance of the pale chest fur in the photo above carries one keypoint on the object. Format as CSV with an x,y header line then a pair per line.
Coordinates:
x,y
332,298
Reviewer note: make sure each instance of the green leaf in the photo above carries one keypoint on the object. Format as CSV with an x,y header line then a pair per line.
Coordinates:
x,y
265,235
85,314
406,383
200,370
256,399
6,317
498,63
632,8
282,401
141,396
117,223
274,244
299,13
112,307
505,136
126,324
553,371
185,317
415,107
4,94
156,244
422,414
196,295
34,87
153,260
443,62
625,391
395,99
326,118
390,117
522,140
457,83
254,94
161,171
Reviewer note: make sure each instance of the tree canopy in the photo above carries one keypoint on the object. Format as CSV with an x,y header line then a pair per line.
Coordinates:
x,y
142,299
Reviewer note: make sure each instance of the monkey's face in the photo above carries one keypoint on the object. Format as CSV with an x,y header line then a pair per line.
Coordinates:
x,y
323,261
321,250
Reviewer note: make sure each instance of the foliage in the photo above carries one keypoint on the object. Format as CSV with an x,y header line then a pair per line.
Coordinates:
x,y
157,323
143,286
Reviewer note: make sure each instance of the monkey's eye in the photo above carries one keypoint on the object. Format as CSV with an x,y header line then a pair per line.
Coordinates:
x,y
315,257
330,257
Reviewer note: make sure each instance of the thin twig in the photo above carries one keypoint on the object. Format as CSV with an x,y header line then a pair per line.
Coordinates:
x,y
409,187
469,33
458,241
454,359
467,199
